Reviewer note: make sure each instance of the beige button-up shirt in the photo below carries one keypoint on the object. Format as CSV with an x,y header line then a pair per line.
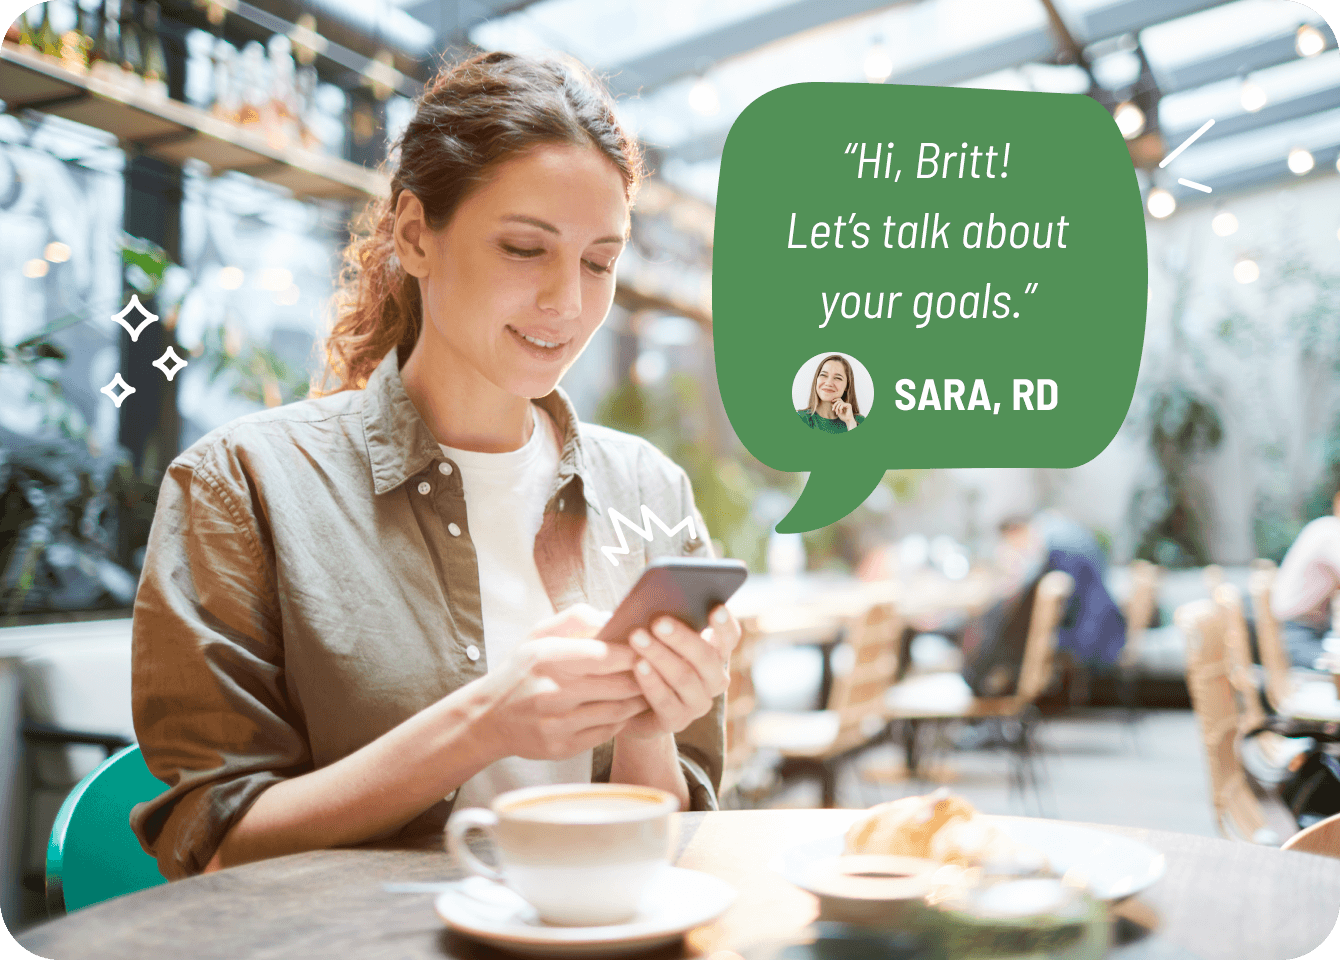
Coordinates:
x,y
310,583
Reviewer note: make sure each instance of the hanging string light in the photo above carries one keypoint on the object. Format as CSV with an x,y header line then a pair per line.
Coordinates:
x,y
1224,224
1309,41
1301,161
703,99
878,64
1130,120
1252,95
1161,203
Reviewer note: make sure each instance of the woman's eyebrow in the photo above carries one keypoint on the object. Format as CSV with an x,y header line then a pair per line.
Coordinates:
x,y
550,228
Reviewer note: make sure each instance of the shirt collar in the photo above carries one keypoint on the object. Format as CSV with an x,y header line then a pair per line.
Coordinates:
x,y
400,444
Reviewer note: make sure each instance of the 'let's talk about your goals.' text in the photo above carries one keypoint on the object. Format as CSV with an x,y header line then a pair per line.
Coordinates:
x,y
926,230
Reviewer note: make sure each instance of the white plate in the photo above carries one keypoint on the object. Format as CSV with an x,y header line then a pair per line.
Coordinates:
x,y
676,901
1115,867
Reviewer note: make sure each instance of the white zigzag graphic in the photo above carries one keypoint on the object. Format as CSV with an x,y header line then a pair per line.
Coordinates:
x,y
648,518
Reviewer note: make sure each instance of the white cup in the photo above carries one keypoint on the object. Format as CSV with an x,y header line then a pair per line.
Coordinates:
x,y
581,854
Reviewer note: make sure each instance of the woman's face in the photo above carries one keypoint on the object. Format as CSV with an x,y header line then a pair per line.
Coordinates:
x,y
832,382
523,273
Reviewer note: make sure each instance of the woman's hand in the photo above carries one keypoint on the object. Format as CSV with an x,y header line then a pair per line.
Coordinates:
x,y
561,691
842,409
680,671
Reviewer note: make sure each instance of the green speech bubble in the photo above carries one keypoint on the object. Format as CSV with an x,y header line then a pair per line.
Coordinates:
x,y
1018,257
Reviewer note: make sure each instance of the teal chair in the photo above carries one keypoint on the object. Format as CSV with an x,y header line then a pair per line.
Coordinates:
x,y
93,855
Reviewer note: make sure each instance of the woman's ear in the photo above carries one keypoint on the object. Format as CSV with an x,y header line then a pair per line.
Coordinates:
x,y
413,240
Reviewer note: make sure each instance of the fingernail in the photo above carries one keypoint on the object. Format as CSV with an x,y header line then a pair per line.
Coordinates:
x,y
664,627
719,617
641,638
643,667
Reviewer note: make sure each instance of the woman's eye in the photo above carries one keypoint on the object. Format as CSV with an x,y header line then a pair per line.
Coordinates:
x,y
601,268
523,251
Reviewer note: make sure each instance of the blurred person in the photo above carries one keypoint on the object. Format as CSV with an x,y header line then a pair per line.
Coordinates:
x,y
1305,586
359,609
1091,634
833,406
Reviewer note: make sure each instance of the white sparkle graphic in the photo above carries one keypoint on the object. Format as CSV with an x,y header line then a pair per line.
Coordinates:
x,y
135,305
117,384
170,363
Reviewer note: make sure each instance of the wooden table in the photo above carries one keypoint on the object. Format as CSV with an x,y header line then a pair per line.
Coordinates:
x,y
1218,899
802,604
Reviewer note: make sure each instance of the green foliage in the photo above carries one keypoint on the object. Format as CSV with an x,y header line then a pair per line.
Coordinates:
x,y
42,358
145,262
257,372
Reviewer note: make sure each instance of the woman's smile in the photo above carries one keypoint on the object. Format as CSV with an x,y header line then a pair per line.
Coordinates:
x,y
541,344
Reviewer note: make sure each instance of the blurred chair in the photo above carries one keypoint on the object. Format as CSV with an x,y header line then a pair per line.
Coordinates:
x,y
1242,812
936,698
740,705
1321,838
93,855
1238,651
817,742
1290,692
75,713
1268,758
1270,639
1140,607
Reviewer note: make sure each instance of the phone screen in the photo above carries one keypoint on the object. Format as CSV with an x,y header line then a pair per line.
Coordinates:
x,y
687,589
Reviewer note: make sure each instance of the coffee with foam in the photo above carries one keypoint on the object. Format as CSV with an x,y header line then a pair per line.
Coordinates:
x,y
581,854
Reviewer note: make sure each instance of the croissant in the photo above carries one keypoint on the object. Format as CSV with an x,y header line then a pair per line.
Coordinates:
x,y
906,827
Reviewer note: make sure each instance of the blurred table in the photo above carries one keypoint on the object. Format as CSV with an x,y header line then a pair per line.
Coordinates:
x,y
1219,900
796,608
1315,700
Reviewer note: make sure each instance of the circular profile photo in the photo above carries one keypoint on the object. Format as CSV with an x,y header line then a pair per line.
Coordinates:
x,y
833,392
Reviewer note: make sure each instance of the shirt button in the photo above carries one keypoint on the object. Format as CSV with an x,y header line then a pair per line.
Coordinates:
x,y
445,468
472,652
455,532
425,487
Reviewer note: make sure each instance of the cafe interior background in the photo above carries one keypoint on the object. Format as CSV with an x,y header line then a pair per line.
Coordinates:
x,y
208,156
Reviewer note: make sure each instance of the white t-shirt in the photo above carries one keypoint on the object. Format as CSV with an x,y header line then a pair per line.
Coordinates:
x,y
505,495
1309,575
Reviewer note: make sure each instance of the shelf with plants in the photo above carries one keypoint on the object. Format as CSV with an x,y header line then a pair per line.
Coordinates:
x,y
142,116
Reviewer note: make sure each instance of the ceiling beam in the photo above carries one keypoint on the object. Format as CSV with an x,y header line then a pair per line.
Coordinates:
x,y
1037,45
1024,47
454,19
700,51
1255,56
1256,175
1132,16
1282,111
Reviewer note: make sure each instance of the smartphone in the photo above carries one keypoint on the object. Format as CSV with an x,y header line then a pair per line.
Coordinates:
x,y
685,588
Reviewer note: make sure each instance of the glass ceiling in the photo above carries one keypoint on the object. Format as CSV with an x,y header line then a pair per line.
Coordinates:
x,y
984,43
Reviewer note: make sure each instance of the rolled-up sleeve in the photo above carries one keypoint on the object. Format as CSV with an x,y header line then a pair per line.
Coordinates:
x,y
212,715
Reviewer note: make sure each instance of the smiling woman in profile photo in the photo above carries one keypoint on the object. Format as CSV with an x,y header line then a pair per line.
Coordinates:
x,y
833,406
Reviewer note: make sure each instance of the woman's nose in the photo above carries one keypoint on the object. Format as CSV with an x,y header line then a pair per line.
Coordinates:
x,y
561,293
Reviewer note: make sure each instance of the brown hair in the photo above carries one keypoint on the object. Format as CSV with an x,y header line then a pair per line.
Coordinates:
x,y
472,117
848,395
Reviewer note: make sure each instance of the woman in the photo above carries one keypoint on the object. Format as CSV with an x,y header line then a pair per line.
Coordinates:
x,y
833,406
347,615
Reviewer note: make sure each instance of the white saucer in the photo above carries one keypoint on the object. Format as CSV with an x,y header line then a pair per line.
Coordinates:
x,y
1113,866
676,901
